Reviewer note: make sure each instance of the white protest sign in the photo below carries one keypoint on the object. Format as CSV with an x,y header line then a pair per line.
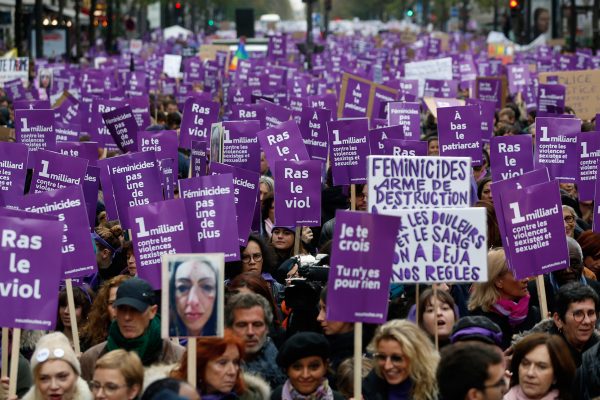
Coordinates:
x,y
440,68
172,65
13,68
441,245
397,182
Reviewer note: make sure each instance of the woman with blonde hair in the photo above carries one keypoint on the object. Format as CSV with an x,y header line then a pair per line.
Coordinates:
x,y
503,299
405,364
119,375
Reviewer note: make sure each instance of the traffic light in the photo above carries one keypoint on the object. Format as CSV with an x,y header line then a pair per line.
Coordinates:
x,y
515,6
410,13
178,5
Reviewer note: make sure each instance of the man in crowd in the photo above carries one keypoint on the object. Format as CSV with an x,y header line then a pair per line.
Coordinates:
x,y
136,328
471,371
249,315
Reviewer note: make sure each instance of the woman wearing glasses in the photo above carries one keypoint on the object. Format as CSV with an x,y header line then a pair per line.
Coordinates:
x,y
542,369
119,375
405,364
570,219
257,258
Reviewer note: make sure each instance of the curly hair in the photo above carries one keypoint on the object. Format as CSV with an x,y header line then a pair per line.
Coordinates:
x,y
96,330
416,346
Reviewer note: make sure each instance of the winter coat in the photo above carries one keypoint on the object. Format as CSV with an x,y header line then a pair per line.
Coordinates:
x,y
587,379
533,317
82,392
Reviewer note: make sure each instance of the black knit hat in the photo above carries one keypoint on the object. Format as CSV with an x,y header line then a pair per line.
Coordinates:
x,y
476,327
302,345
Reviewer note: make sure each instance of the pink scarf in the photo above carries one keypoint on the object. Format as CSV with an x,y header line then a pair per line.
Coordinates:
x,y
516,393
516,312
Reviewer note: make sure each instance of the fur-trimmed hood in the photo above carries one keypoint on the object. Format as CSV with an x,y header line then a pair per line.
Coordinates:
x,y
82,392
257,387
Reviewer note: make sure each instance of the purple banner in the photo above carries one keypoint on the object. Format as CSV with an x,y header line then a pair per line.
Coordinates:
x,y
97,129
510,156
168,177
557,148
440,88
487,111
123,128
298,193
157,229
490,89
459,131
66,132
56,171
401,147
240,144
551,98
78,257
588,165
249,112
361,259
409,89
163,143
13,169
349,148
356,99
407,115
198,116
210,205
275,114
518,78
282,142
85,150
107,190
535,230
35,129
198,158
378,136
313,126
30,253
245,190
90,186
135,180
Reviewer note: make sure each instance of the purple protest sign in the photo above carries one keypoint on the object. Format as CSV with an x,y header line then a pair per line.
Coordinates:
x,y
510,156
139,107
107,190
298,193
90,186
459,131
68,110
31,105
249,112
123,128
97,129
168,177
313,126
135,181
85,150
487,111
442,88
378,136
518,78
282,142
409,89
198,158
78,257
349,147
53,171
164,143
401,147
275,114
30,252
13,169
551,98
588,164
407,115
210,205
35,129
198,116
489,89
245,190
327,101
361,259
557,148
596,211
240,144
157,229
277,46
535,230
66,132
355,98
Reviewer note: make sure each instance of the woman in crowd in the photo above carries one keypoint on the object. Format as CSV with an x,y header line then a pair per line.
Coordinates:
x,y
267,212
570,218
193,292
82,297
493,231
119,375
131,269
266,187
590,246
542,369
218,373
56,371
250,282
405,364
305,359
102,312
503,299
109,257
437,313
484,191
339,334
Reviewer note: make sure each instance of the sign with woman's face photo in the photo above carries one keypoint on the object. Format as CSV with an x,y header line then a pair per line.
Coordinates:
x,y
192,295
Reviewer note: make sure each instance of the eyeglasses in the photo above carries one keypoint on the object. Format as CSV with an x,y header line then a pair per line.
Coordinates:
x,y
569,219
394,358
579,315
500,384
255,257
108,388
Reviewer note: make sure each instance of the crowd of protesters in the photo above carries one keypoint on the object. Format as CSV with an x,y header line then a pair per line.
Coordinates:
x,y
486,340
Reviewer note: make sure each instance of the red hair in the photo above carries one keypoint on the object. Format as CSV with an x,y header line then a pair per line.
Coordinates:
x,y
209,349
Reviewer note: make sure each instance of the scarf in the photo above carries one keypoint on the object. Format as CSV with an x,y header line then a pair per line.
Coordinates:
x,y
148,346
323,392
516,312
516,393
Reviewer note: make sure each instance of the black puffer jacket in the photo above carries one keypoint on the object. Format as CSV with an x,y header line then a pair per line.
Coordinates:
x,y
587,380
